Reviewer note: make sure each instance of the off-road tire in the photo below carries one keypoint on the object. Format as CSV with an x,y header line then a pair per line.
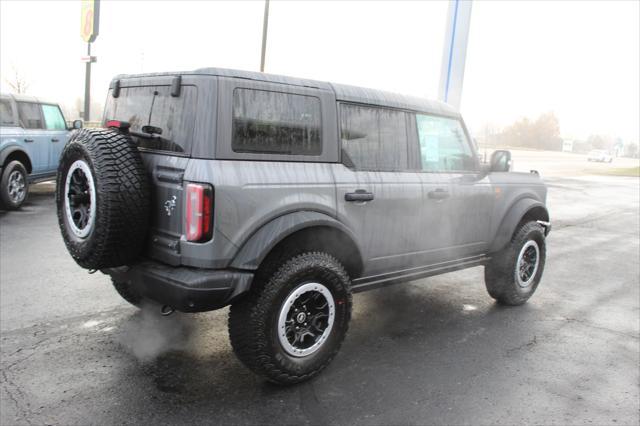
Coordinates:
x,y
127,292
119,229
499,274
253,320
5,199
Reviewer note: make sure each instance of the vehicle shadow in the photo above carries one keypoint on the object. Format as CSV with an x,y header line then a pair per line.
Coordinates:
x,y
404,344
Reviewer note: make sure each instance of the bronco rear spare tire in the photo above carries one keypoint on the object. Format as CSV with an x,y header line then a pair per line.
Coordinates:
x,y
102,199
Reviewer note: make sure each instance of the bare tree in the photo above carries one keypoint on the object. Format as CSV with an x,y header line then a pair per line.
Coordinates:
x,y
18,82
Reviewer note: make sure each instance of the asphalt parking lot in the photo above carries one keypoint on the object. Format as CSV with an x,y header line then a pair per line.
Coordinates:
x,y
434,351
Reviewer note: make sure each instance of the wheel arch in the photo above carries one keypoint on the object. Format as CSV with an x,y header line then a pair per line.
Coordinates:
x,y
524,210
15,153
308,229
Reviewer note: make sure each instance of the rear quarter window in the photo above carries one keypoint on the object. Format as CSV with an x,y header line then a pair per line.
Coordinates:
x,y
267,122
7,118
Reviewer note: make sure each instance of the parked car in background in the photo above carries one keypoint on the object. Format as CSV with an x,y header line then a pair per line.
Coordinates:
x,y
32,136
600,155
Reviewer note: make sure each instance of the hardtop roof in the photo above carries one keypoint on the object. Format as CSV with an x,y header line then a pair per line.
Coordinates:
x,y
26,98
342,92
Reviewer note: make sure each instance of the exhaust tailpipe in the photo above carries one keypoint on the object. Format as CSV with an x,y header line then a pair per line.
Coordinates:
x,y
166,310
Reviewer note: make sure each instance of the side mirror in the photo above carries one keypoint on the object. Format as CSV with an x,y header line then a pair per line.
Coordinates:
x,y
501,161
77,124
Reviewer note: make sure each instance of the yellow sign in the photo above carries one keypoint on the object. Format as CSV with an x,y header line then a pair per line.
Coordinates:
x,y
89,20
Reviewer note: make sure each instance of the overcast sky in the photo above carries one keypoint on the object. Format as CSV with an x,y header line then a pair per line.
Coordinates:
x,y
580,59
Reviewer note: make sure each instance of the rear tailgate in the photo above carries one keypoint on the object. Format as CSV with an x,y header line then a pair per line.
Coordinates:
x,y
164,125
167,206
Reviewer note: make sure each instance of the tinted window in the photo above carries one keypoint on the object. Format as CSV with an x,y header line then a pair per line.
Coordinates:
x,y
133,105
276,123
53,118
374,138
443,144
6,114
175,116
154,106
30,117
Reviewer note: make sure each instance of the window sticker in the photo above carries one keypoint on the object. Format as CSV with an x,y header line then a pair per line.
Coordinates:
x,y
429,140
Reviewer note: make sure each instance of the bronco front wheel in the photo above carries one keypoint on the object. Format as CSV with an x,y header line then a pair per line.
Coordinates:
x,y
293,322
513,274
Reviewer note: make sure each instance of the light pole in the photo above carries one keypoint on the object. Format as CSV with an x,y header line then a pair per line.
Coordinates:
x,y
89,25
265,25
87,84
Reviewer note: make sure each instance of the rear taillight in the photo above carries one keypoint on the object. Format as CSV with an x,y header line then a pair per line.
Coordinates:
x,y
199,212
117,124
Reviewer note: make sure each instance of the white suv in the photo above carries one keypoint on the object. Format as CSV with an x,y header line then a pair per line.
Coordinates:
x,y
600,155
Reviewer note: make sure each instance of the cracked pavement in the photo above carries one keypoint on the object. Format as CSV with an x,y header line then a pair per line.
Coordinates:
x,y
433,351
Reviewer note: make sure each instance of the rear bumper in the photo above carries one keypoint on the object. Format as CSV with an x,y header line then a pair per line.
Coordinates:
x,y
184,289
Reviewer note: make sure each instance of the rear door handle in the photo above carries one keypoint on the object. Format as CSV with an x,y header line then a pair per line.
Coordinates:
x,y
439,194
55,140
359,195
28,140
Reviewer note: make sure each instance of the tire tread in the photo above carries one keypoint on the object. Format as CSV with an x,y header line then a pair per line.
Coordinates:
x,y
123,198
248,317
498,274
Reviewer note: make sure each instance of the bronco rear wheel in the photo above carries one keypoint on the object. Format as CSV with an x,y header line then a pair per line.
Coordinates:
x,y
14,187
292,323
102,199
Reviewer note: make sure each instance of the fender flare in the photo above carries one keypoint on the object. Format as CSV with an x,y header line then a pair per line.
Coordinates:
x,y
10,149
511,219
260,243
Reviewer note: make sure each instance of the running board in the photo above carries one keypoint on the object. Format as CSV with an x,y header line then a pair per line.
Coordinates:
x,y
376,281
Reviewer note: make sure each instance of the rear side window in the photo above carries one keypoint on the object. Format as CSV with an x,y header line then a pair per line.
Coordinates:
x,y
267,122
30,116
53,118
6,114
443,145
374,138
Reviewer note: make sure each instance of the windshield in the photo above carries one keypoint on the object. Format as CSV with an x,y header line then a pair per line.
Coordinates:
x,y
154,106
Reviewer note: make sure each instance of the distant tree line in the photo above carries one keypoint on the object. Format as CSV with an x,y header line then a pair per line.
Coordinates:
x,y
541,133
544,133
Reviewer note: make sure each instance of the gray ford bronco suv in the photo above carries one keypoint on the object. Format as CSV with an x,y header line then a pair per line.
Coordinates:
x,y
281,197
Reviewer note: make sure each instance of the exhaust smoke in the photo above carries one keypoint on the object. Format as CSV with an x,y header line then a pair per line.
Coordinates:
x,y
150,334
